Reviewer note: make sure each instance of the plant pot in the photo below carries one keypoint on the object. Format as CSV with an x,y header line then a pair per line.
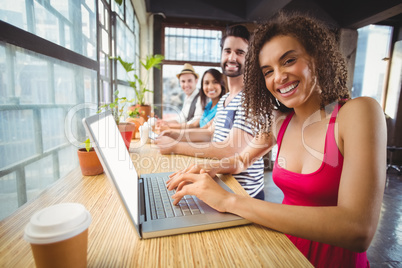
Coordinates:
x,y
89,162
127,131
138,121
144,110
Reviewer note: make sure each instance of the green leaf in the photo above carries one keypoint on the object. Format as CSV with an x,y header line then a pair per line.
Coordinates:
x,y
153,61
87,145
128,66
119,2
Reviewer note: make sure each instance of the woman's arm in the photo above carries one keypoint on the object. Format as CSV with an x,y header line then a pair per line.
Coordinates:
x,y
237,163
352,223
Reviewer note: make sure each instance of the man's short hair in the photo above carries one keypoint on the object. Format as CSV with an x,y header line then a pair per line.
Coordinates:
x,y
236,31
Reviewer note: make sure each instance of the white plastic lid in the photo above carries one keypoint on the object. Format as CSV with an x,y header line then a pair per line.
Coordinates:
x,y
57,223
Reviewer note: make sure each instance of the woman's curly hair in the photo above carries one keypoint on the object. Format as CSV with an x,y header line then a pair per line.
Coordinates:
x,y
319,43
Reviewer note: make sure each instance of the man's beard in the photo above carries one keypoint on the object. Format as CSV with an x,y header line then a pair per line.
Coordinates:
x,y
237,73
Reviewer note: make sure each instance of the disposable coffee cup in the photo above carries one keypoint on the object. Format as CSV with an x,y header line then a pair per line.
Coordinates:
x,y
59,235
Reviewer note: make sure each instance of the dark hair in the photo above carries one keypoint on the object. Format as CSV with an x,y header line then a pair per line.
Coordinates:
x,y
219,77
319,43
236,31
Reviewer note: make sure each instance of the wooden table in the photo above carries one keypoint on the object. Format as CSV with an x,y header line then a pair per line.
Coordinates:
x,y
113,241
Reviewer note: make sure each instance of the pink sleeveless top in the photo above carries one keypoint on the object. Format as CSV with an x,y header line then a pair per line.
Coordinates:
x,y
319,188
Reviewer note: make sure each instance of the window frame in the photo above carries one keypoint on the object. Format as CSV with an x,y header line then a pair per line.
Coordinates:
x,y
198,26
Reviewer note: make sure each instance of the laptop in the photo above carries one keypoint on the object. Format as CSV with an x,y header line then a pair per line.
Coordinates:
x,y
146,200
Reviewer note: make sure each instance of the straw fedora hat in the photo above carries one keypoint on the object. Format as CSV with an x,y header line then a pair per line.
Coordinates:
x,y
187,69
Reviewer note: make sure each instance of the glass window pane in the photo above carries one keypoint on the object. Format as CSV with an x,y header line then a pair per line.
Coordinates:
x,y
38,176
14,13
34,128
52,122
62,7
85,23
105,96
8,195
103,66
6,90
105,41
67,36
64,85
124,48
129,52
91,5
130,15
107,17
118,9
31,79
46,24
370,69
394,84
184,44
90,86
17,136
101,13
91,49
55,22
68,160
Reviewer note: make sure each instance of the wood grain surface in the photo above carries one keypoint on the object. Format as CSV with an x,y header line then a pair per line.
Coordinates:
x,y
113,242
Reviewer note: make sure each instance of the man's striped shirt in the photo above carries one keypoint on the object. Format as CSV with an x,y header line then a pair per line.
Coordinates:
x,y
252,179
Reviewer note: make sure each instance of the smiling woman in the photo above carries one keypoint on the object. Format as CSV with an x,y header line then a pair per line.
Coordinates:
x,y
331,149
295,65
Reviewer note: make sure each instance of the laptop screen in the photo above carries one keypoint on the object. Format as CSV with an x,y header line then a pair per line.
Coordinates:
x,y
116,161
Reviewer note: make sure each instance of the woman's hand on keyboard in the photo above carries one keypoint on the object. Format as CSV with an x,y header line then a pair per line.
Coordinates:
x,y
202,186
195,169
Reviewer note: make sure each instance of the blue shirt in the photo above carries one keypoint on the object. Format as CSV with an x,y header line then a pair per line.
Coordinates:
x,y
208,114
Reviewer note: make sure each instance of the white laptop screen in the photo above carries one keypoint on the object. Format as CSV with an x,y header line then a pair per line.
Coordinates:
x,y
116,161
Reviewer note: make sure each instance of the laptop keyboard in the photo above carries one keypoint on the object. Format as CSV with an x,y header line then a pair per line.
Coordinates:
x,y
161,201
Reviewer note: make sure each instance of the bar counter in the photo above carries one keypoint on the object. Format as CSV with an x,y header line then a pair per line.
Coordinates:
x,y
113,242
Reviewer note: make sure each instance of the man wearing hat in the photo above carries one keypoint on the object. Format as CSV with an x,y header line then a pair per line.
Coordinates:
x,y
192,109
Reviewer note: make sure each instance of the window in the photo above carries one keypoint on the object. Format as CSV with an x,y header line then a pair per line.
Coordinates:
x,y
66,23
127,47
373,52
185,44
48,84
199,47
37,95
394,84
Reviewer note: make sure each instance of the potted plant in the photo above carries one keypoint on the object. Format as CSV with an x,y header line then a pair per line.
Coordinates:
x,y
89,161
139,85
117,107
134,117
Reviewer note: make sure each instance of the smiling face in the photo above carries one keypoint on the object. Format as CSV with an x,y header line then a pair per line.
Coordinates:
x,y
212,88
188,83
286,68
233,56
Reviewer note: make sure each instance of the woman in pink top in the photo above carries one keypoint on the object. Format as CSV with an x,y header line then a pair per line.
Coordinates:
x,y
331,151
